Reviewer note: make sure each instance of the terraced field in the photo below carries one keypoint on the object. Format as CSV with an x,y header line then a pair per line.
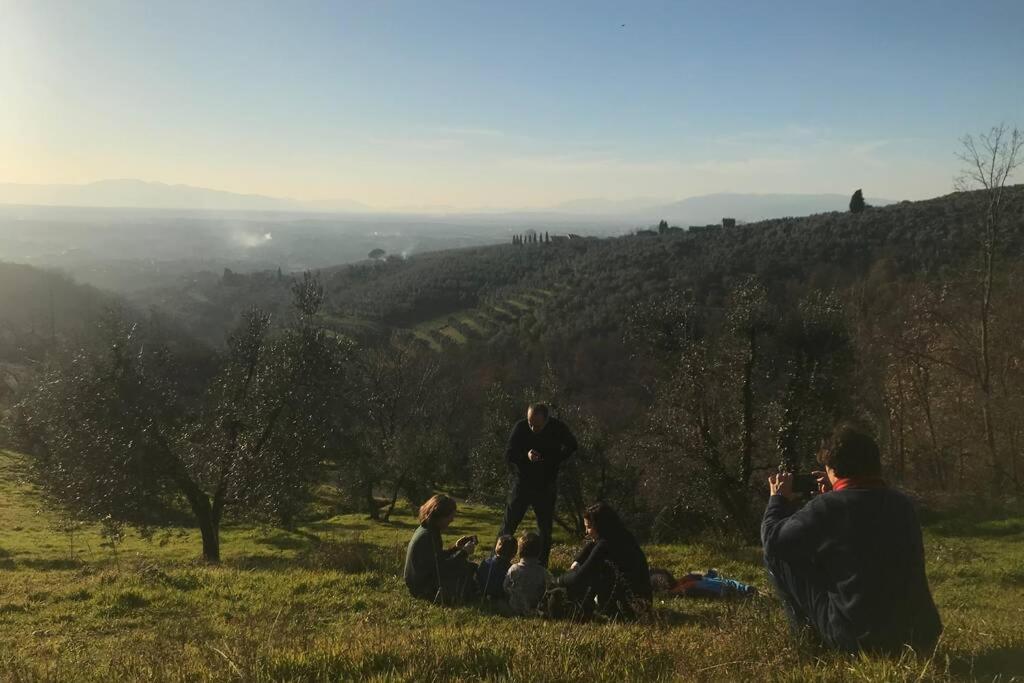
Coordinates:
x,y
481,322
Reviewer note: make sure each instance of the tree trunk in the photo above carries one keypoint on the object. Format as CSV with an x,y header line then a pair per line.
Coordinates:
x,y
572,493
734,501
394,498
371,503
748,409
198,500
901,453
939,465
211,539
986,366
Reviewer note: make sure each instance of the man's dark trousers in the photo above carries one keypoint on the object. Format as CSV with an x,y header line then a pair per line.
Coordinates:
x,y
542,497
805,598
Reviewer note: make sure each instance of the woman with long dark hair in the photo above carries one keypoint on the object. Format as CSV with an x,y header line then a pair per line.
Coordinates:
x,y
610,574
431,571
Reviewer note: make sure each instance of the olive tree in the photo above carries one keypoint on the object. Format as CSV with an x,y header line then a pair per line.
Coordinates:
x,y
130,427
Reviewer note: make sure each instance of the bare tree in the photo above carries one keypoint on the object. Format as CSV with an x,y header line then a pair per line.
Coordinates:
x,y
989,161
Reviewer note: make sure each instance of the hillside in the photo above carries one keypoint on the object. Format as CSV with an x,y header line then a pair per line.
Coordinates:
x,y
39,310
775,330
596,282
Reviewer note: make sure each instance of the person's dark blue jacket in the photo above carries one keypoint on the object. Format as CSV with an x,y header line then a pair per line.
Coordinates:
x,y
861,554
490,576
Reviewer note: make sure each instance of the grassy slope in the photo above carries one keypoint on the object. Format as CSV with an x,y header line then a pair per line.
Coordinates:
x,y
327,603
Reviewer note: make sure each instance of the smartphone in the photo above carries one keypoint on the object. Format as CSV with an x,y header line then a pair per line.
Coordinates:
x,y
805,484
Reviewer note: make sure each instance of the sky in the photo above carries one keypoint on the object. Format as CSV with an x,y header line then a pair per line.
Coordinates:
x,y
470,105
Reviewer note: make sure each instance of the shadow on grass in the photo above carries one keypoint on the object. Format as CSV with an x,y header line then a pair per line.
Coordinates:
x,y
333,524
980,529
348,556
286,541
666,617
1004,662
52,564
253,562
483,516
1013,579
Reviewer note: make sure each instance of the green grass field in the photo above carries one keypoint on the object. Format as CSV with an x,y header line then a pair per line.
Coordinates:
x,y
326,602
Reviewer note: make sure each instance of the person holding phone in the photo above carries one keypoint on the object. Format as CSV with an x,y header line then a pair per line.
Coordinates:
x,y
536,449
433,572
849,565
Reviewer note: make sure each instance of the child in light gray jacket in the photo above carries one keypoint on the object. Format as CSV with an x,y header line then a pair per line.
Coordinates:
x,y
527,580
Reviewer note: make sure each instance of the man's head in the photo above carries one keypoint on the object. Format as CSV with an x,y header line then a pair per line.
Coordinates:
x,y
530,546
537,416
505,548
850,452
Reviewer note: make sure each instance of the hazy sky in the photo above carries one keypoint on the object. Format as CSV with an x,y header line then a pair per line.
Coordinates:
x,y
504,104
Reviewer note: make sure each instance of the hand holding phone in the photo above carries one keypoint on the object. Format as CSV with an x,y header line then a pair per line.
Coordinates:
x,y
467,544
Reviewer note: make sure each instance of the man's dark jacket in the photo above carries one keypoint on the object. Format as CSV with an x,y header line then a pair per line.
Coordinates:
x,y
862,550
555,443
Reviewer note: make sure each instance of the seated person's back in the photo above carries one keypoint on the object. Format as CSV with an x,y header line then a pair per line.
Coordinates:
x,y
878,572
851,561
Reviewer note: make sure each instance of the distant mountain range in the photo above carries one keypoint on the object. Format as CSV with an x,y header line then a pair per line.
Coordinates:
x,y
140,194
130,193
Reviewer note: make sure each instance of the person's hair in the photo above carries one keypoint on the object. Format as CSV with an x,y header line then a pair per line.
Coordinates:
x,y
604,520
530,546
539,409
505,547
437,508
662,579
851,452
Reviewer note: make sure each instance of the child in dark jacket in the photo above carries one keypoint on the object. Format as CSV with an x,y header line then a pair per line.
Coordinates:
x,y
490,575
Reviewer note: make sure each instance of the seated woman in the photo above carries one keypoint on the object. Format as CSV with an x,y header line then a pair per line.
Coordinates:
x,y
610,574
431,571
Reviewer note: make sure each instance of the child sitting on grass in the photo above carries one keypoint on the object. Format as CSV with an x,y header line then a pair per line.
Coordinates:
x,y
490,575
527,580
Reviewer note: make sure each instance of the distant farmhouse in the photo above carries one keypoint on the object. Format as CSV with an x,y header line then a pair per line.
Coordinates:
x,y
726,223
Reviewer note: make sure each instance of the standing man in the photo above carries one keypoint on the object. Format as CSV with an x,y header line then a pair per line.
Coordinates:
x,y
536,448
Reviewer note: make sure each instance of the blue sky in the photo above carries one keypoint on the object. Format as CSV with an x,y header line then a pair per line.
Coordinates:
x,y
473,104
